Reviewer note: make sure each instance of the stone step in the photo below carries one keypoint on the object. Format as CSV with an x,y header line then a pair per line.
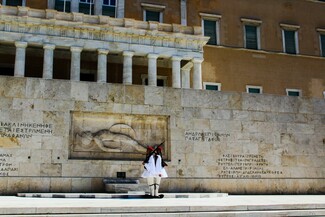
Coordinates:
x,y
130,194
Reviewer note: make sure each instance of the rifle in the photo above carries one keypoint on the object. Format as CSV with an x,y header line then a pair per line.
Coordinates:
x,y
153,151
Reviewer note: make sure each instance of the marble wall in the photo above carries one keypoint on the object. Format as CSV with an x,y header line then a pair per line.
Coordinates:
x,y
218,141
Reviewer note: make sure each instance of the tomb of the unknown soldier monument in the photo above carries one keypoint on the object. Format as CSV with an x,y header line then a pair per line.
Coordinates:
x,y
83,96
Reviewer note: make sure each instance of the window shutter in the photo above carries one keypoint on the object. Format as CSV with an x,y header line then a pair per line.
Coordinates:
x,y
59,5
152,16
290,42
210,29
251,37
322,41
14,2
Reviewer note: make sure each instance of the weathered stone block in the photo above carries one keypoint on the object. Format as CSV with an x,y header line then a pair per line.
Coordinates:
x,y
98,92
79,91
50,169
39,185
116,93
134,94
59,185
56,89
302,128
29,169
12,87
81,185
153,95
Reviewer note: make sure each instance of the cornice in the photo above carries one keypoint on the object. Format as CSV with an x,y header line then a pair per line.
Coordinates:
x,y
103,28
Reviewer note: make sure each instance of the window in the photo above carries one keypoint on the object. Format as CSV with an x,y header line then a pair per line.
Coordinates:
x,y
161,80
63,5
254,89
86,6
210,26
212,86
251,33
109,8
293,92
153,12
290,39
322,44
14,3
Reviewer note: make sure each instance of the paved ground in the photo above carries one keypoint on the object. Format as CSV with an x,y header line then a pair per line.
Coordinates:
x,y
296,205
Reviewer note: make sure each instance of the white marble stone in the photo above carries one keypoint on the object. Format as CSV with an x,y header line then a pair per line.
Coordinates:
x,y
20,58
127,67
102,66
176,73
152,69
197,73
48,61
75,63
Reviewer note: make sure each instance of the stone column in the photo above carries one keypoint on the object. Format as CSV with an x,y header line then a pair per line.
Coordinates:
x,y
74,5
197,73
183,13
152,69
51,4
120,9
20,58
102,66
127,67
75,63
48,61
176,71
186,70
98,7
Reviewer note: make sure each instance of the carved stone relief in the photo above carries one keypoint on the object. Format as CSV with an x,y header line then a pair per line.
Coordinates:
x,y
116,136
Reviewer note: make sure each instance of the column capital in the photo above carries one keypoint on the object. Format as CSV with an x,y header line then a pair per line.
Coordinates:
x,y
176,58
152,56
21,44
49,46
128,53
197,60
102,51
76,49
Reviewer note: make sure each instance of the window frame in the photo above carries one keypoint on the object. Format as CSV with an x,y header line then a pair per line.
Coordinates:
x,y
64,5
91,4
255,87
23,3
293,90
288,27
160,77
257,24
212,84
154,8
212,17
321,33
109,6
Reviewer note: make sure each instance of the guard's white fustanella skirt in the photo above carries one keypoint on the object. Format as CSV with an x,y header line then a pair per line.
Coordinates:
x,y
153,169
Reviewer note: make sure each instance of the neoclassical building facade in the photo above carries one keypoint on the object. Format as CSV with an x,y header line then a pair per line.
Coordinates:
x,y
247,47
234,90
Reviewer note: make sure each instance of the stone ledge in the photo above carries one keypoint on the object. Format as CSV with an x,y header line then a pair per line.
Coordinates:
x,y
131,194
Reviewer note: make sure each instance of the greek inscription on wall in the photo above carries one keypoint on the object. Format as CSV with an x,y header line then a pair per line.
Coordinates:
x,y
6,166
24,130
245,166
204,136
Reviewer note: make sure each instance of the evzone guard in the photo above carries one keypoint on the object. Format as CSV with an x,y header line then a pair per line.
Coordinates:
x,y
154,170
